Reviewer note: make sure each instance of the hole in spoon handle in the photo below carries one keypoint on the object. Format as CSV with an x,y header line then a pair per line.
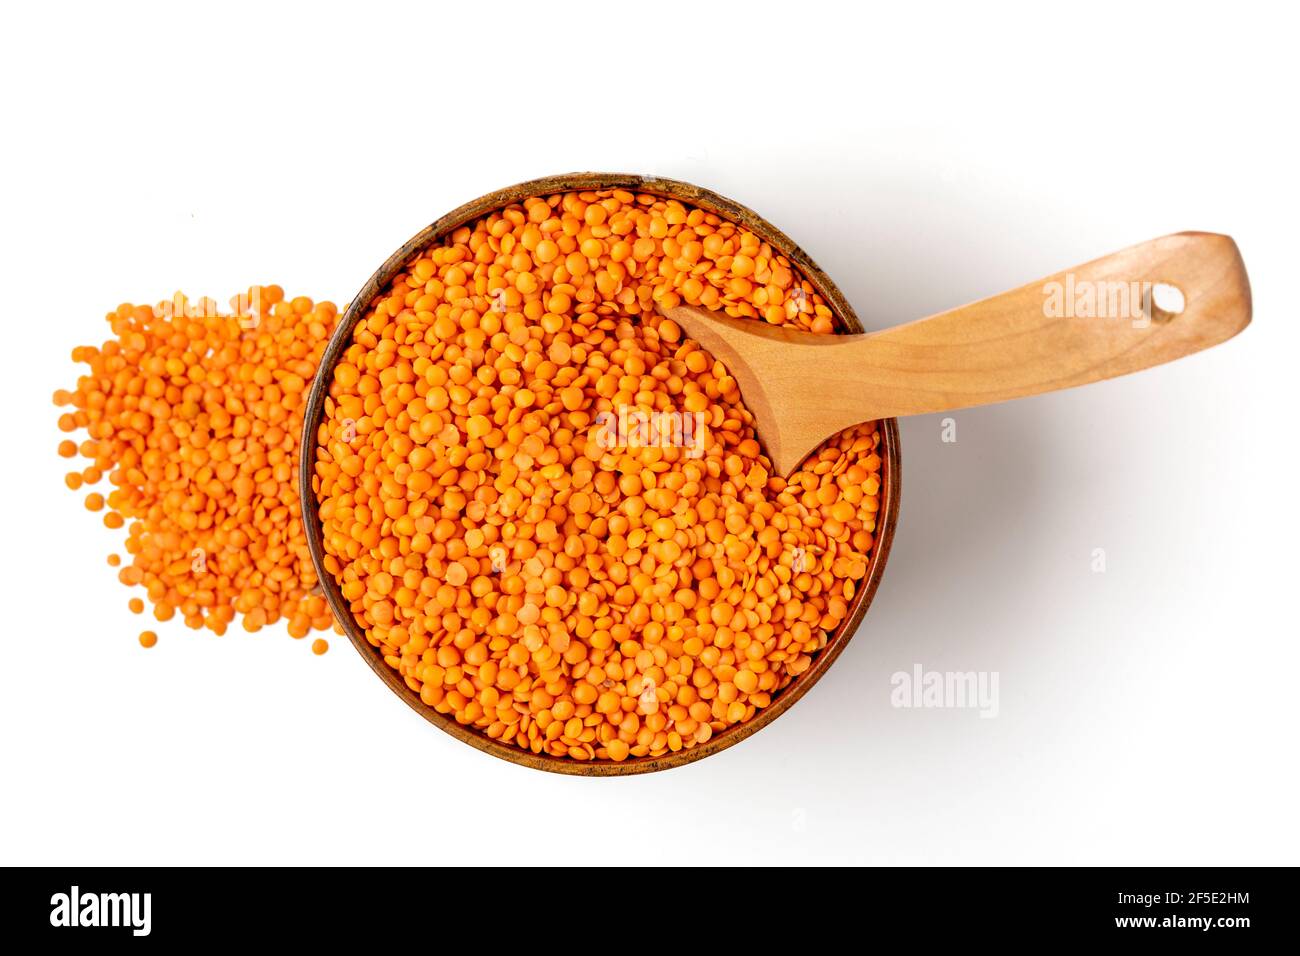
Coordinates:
x,y
1164,301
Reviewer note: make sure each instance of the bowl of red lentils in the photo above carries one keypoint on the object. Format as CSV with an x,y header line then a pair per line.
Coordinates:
x,y
542,514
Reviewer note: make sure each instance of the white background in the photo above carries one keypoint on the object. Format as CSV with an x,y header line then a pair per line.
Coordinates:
x,y
924,159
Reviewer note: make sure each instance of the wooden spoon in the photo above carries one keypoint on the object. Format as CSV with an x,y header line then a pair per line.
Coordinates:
x,y
1144,306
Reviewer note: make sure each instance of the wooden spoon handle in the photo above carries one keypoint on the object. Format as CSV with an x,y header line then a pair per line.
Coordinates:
x,y
1105,318
1150,304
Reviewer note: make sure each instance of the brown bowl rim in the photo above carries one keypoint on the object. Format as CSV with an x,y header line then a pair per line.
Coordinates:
x,y
669,189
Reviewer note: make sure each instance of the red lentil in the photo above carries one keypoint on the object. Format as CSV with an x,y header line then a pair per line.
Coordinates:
x,y
194,416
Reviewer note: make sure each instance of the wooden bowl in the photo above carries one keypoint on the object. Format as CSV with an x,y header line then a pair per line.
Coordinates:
x,y
846,321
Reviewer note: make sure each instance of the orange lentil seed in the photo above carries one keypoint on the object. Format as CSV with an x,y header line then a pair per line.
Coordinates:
x,y
194,416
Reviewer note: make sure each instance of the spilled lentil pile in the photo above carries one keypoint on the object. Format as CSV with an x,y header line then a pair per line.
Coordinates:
x,y
194,416
556,591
